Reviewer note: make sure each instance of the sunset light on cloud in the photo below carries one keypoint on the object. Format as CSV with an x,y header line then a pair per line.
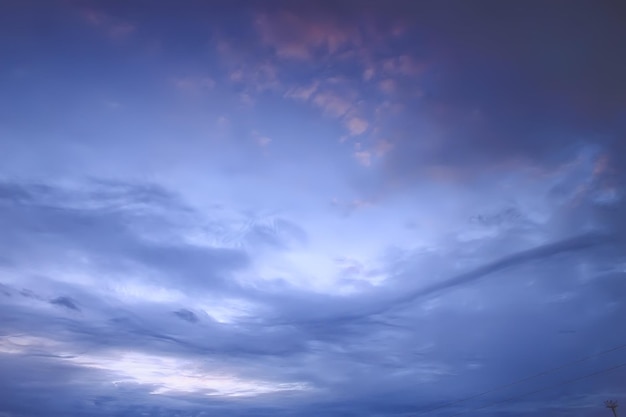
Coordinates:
x,y
294,208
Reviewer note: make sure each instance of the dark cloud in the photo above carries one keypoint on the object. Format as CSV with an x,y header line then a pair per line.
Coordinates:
x,y
5,290
323,310
575,244
66,302
276,233
365,365
122,226
187,315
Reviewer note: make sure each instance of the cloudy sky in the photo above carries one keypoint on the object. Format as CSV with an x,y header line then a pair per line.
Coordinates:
x,y
297,208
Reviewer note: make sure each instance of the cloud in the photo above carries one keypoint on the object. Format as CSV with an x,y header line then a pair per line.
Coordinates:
x,y
113,27
382,147
261,141
578,243
357,126
389,300
387,86
292,36
336,98
264,141
490,105
348,207
66,302
302,93
364,157
296,347
402,65
257,77
332,103
111,224
466,109
187,315
273,232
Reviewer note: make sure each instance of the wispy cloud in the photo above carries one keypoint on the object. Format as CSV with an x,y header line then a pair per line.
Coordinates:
x,y
332,103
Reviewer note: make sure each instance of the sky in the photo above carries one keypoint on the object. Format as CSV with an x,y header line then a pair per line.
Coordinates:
x,y
303,208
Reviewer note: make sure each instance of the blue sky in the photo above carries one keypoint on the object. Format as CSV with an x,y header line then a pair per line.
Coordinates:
x,y
347,208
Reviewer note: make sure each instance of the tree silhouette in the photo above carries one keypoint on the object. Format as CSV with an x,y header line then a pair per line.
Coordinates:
x,y
612,405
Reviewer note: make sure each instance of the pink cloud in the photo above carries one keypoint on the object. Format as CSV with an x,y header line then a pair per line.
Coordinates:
x,y
369,73
389,108
387,86
403,65
223,122
602,165
258,77
399,29
338,102
332,103
296,37
236,75
253,74
364,157
356,125
246,99
263,141
302,93
260,140
388,70
382,148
